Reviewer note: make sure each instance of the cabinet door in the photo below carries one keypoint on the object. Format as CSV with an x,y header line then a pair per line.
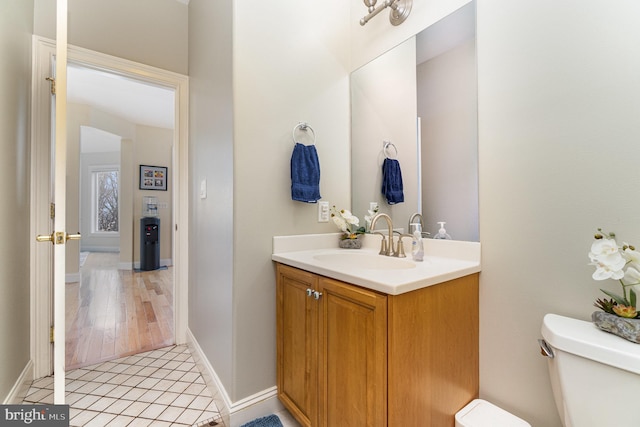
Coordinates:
x,y
352,357
297,335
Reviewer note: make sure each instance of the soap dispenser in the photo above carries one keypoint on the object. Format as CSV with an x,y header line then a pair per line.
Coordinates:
x,y
442,233
417,248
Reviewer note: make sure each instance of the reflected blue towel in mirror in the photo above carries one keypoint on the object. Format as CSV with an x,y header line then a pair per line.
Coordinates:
x,y
392,181
305,174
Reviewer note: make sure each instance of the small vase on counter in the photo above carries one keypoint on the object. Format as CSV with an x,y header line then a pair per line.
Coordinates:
x,y
349,242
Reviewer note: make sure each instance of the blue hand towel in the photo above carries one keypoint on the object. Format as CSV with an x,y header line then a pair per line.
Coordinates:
x,y
392,181
305,174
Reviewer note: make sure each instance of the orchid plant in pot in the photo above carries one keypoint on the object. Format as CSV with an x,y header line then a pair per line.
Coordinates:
x,y
619,313
350,226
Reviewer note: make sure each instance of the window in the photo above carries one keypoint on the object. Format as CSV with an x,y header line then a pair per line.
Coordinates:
x,y
105,197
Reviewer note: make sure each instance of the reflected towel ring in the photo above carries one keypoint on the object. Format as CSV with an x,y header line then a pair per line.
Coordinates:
x,y
385,148
305,127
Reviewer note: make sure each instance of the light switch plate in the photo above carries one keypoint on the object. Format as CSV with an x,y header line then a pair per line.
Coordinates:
x,y
323,211
203,188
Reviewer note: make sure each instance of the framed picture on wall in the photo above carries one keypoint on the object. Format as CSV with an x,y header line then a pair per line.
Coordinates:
x,y
153,178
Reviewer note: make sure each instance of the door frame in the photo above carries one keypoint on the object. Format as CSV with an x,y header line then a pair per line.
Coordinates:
x,y
43,50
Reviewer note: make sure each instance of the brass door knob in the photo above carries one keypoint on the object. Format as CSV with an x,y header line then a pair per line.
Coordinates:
x,y
58,237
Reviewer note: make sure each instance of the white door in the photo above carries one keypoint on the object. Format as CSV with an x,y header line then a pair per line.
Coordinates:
x,y
58,236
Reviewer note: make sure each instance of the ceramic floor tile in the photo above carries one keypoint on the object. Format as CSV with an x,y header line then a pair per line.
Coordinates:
x,y
189,416
85,402
118,406
87,388
74,385
140,422
100,420
83,418
134,394
161,373
167,398
102,389
119,391
105,377
90,375
197,389
153,411
183,400
200,403
135,409
147,371
158,388
179,387
171,414
133,381
120,421
101,404
150,396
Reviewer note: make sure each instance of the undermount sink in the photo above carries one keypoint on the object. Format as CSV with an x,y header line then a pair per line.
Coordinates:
x,y
366,261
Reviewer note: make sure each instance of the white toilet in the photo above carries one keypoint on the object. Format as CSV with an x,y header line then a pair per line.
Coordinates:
x,y
595,376
480,413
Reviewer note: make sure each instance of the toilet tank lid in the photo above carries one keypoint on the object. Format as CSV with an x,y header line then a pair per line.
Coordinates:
x,y
586,340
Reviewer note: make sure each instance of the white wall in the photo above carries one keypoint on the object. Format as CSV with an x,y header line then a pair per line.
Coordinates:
x,y
153,32
16,26
290,64
211,159
558,104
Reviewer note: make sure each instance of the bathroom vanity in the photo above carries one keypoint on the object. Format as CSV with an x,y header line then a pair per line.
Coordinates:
x,y
366,340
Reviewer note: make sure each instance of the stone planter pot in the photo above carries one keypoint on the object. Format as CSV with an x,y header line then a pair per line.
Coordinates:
x,y
628,329
350,243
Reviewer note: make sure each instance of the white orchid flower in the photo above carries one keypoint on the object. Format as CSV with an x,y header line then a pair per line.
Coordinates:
x,y
632,277
340,222
350,218
609,262
632,256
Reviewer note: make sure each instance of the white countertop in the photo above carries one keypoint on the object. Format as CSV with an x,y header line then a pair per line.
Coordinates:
x,y
444,260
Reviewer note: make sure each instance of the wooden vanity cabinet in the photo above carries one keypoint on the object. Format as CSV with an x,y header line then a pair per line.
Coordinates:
x,y
350,356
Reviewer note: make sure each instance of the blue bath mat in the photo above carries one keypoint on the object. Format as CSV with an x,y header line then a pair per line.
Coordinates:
x,y
269,421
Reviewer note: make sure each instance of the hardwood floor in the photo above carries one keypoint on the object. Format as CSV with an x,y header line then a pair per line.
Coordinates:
x,y
112,313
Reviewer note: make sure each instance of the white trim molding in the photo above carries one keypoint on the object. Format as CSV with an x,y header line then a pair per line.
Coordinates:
x,y
43,51
19,390
234,414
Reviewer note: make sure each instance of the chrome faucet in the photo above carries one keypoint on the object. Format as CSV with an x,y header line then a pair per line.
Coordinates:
x,y
412,221
385,248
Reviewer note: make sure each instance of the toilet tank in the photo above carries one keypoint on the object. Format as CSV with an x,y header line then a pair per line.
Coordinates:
x,y
595,376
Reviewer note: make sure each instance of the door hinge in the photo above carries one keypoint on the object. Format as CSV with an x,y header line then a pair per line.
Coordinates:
x,y
52,210
53,84
51,335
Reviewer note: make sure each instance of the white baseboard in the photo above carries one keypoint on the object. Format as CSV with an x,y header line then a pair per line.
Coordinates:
x,y
237,413
19,390
125,266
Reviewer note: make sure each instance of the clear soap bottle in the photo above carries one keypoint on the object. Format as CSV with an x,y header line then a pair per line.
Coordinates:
x,y
417,247
442,233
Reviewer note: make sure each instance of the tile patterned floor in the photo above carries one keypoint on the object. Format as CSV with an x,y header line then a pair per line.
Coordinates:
x,y
156,388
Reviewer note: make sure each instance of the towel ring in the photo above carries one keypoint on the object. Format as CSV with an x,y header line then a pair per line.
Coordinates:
x,y
388,144
304,127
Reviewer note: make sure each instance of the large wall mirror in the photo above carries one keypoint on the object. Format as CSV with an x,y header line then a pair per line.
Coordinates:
x,y
422,97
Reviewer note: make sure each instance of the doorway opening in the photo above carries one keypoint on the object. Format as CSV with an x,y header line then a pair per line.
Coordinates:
x,y
175,261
